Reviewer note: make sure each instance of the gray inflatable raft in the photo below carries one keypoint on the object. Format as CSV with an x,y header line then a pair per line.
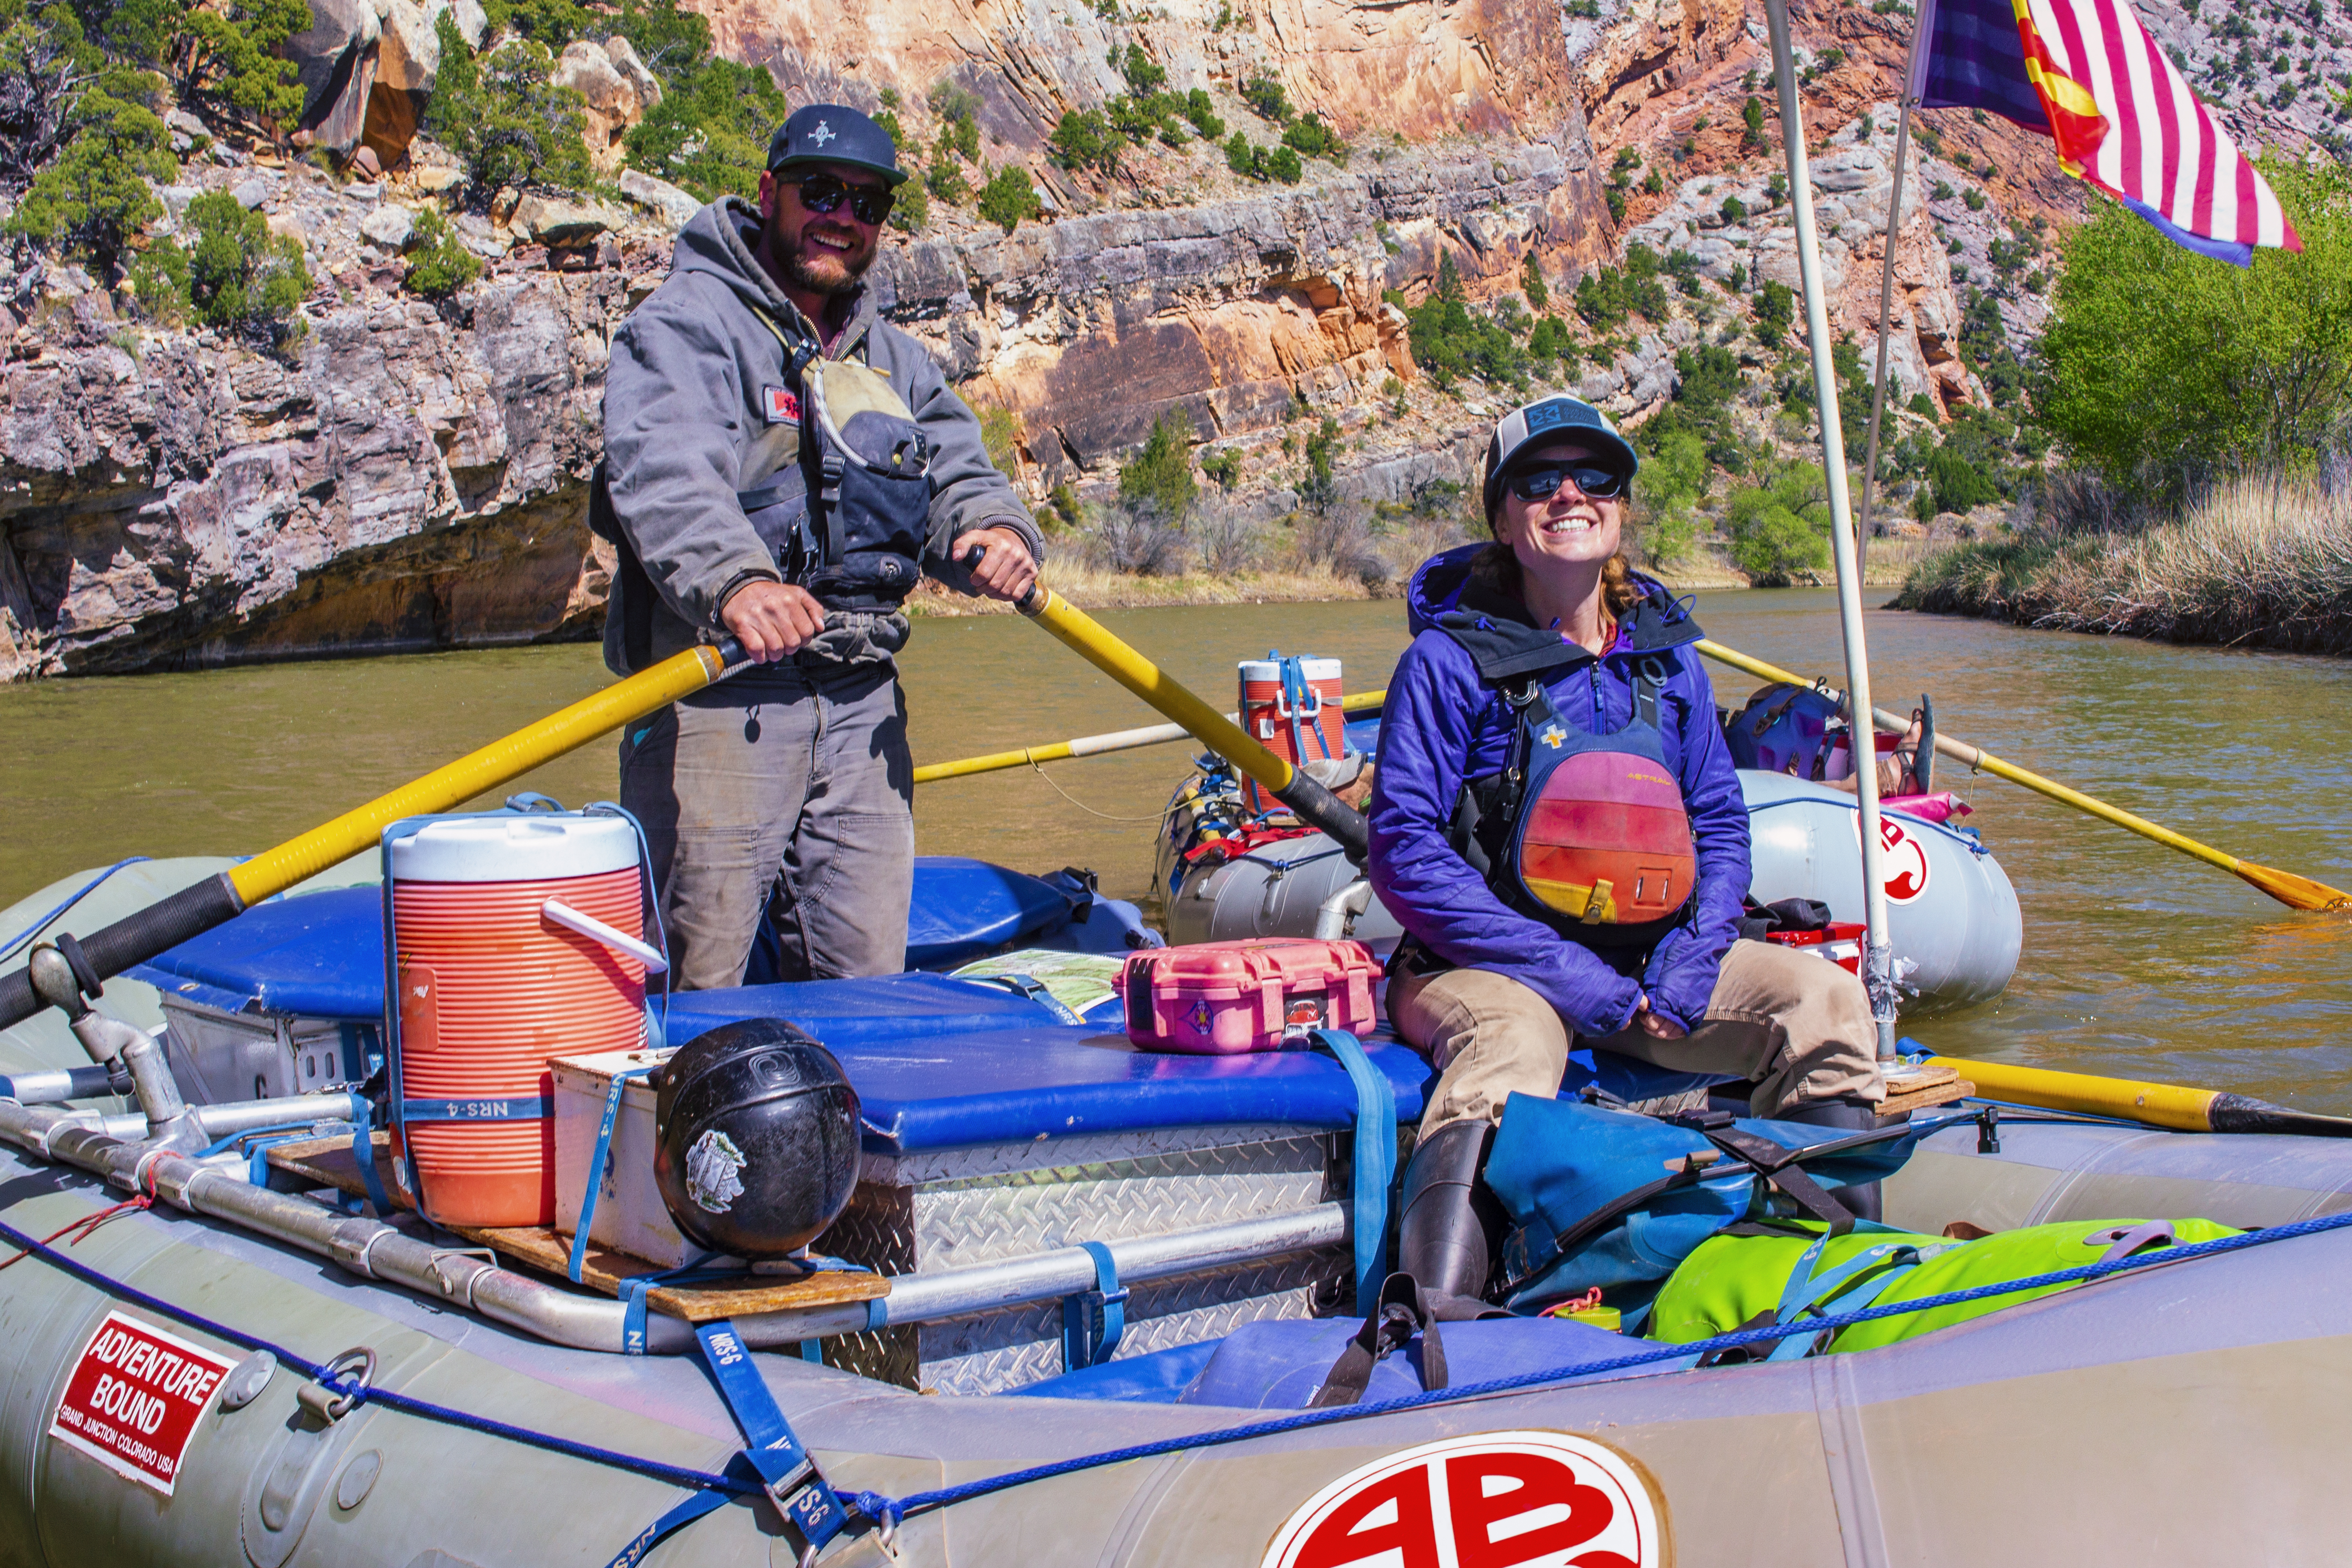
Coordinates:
x,y
1951,913
2185,1413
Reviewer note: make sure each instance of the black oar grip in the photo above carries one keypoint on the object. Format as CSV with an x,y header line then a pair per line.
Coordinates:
x,y
134,939
1326,812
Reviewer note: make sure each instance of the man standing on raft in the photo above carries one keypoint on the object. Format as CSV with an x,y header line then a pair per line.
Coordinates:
x,y
781,465
1557,824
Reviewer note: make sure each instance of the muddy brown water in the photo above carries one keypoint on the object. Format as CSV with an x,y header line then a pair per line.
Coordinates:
x,y
2138,960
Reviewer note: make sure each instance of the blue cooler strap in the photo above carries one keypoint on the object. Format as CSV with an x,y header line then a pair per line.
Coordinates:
x,y
487,1108
596,1159
1375,1161
1094,1322
364,1156
1030,987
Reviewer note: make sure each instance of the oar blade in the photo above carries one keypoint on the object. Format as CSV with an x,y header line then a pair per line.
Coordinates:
x,y
2294,892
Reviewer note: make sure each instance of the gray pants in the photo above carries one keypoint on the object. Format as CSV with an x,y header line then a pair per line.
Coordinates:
x,y
786,779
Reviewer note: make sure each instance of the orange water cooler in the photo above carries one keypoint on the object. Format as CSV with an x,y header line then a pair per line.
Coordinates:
x,y
517,936
1291,707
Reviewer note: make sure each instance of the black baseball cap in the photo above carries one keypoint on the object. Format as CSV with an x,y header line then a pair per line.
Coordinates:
x,y
831,133
1523,429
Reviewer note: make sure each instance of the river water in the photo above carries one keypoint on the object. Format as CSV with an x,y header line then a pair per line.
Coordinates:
x,y
2138,960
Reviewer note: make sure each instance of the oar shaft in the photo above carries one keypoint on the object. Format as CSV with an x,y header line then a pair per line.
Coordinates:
x,y
2169,1105
1316,806
1094,745
197,909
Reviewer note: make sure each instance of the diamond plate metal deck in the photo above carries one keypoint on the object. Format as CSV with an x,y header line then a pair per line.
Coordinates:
x,y
938,1210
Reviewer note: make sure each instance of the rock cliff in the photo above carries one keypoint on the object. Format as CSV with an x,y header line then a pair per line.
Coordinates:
x,y
411,476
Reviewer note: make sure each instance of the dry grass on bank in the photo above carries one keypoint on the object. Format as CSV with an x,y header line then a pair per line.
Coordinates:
x,y
2263,563
1093,587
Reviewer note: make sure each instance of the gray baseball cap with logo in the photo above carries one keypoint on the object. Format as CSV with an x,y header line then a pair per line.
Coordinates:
x,y
832,133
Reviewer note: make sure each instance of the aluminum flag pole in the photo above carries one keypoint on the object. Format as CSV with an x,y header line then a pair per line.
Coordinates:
x,y
1910,100
1879,975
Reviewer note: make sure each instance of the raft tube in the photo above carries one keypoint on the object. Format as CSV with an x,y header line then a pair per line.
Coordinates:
x,y
1952,914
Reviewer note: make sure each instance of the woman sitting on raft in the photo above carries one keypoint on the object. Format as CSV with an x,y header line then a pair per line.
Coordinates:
x,y
1557,824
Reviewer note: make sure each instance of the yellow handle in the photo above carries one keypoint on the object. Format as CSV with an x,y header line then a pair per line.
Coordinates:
x,y
500,762
2156,1105
1094,745
1138,674
2297,892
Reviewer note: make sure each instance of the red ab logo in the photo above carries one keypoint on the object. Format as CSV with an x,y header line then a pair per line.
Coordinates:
x,y
1502,1500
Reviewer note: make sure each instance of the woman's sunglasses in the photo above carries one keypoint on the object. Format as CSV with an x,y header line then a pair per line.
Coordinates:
x,y
1541,483
825,193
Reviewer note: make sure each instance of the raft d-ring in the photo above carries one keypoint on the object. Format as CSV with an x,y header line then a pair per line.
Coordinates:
x,y
330,1401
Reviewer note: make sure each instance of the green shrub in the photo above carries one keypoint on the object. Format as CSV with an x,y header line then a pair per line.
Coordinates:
x,y
554,22
1775,312
1282,163
1317,487
228,58
1084,139
439,264
1224,467
1974,198
1752,118
1606,296
1143,74
1450,341
158,281
710,133
1960,485
1161,473
674,44
1242,158
944,179
1532,284
913,209
1781,531
508,123
241,277
1265,98
82,139
1203,115
1733,210
958,111
1008,197
1310,138
1000,433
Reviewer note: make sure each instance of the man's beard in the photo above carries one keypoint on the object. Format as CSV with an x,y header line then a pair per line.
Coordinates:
x,y
825,272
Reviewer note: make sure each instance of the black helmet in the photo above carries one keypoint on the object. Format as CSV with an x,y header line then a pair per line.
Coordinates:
x,y
755,1138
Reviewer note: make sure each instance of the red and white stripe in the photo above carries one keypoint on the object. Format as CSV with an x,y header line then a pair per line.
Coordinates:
x,y
2163,149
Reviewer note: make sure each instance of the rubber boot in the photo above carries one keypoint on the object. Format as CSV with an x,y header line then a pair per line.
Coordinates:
x,y
1847,1115
1450,1223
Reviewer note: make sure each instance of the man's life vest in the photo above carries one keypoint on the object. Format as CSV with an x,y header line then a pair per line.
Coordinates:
x,y
1785,729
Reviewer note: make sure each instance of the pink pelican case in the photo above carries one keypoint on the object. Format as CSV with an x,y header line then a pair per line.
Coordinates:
x,y
1224,998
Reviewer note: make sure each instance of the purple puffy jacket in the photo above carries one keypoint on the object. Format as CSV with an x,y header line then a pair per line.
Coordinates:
x,y
1443,725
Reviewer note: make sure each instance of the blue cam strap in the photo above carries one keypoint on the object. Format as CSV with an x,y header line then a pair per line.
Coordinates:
x,y
1094,1322
1030,987
1375,1161
595,1183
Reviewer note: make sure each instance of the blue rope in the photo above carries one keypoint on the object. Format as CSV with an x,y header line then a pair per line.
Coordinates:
x,y
880,1509
928,1501
8,949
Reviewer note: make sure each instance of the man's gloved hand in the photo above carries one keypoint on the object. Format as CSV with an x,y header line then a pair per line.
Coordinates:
x,y
771,620
1004,570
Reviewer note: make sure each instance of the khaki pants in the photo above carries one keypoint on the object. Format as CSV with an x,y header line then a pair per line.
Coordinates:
x,y
792,779
1794,1022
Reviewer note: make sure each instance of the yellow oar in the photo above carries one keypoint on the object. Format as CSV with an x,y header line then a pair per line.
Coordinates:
x,y
1093,745
1316,806
2152,1104
2294,892
197,909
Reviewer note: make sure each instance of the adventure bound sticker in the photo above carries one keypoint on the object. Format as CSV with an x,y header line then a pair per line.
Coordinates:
x,y
1500,1499
133,1398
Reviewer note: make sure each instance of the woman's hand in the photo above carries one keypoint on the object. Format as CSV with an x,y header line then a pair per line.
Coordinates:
x,y
1653,1025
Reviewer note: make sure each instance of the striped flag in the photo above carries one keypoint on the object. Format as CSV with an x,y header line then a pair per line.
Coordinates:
x,y
2086,74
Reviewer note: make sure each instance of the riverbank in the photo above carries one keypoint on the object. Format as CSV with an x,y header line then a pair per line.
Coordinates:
x,y
2258,564
1890,564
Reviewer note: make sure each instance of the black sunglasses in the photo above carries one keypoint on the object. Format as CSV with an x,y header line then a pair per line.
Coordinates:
x,y
1541,483
825,193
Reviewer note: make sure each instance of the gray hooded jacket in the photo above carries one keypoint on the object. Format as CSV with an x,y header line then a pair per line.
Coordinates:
x,y
696,411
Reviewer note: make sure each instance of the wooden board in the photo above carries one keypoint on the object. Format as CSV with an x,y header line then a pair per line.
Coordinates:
x,y
328,1162
1944,1092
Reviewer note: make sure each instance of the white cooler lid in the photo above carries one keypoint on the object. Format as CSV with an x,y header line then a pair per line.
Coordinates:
x,y
1271,670
514,846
